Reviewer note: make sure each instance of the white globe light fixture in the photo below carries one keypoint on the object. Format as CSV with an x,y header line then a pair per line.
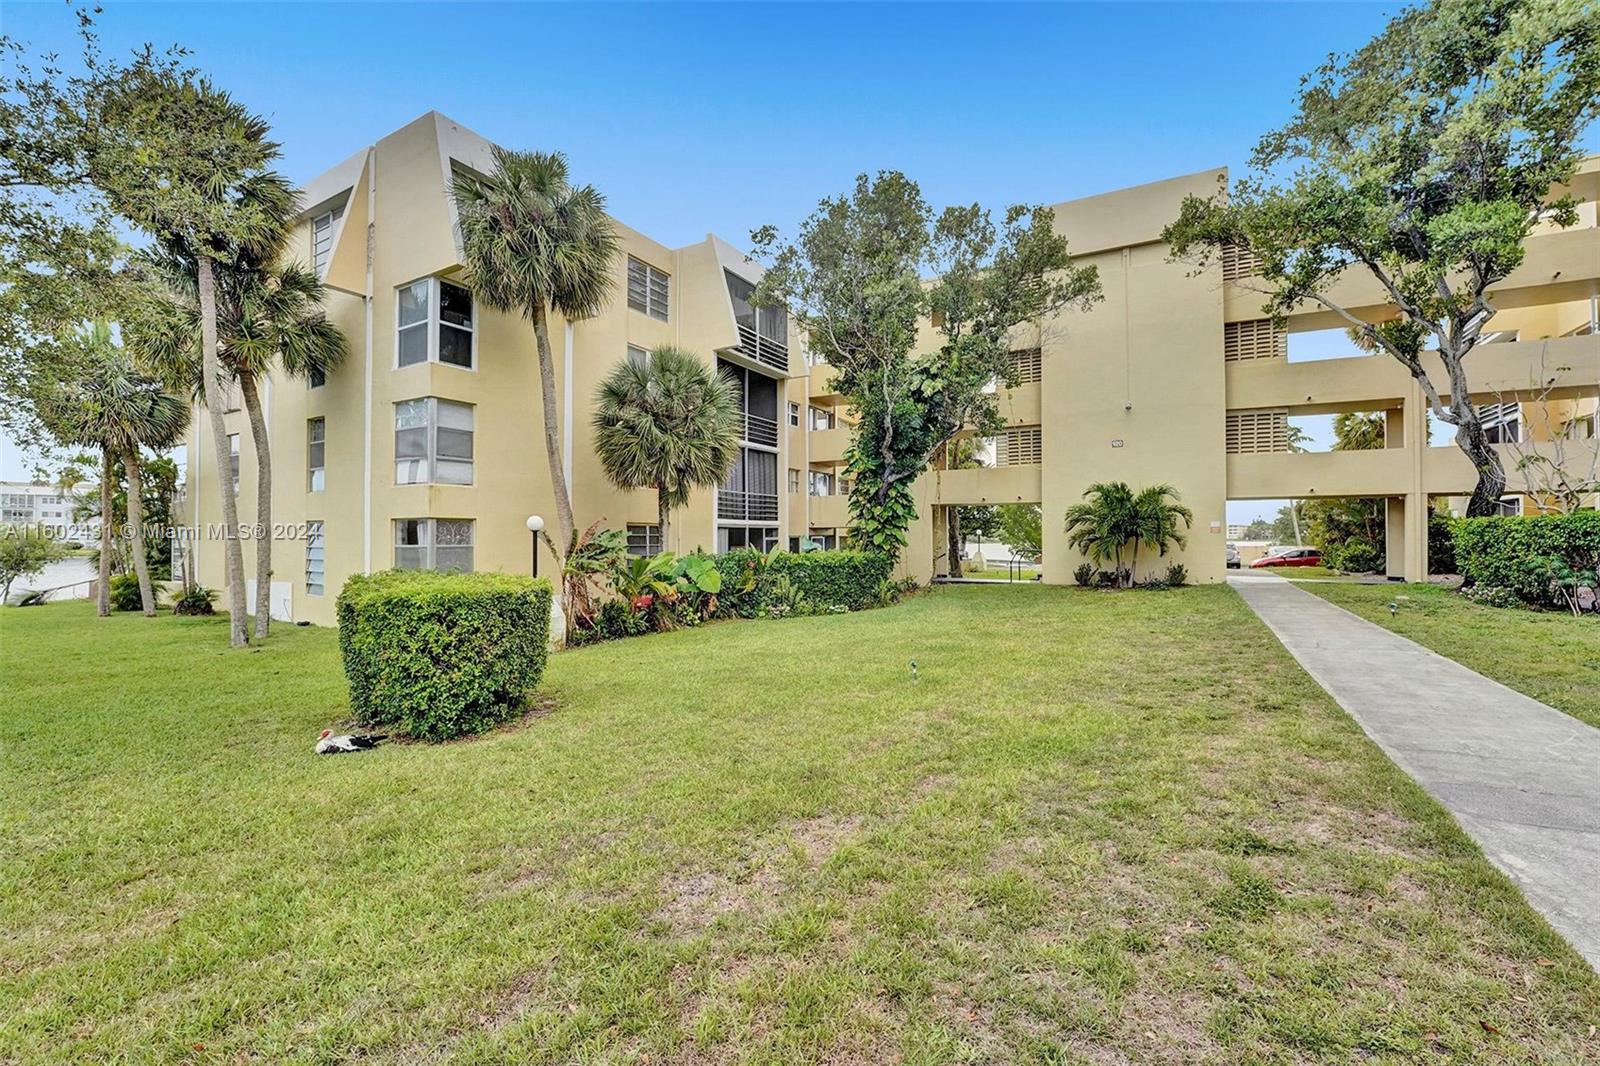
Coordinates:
x,y
535,526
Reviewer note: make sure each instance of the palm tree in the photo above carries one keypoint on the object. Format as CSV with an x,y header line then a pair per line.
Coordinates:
x,y
267,315
1157,515
536,244
1103,527
668,422
110,405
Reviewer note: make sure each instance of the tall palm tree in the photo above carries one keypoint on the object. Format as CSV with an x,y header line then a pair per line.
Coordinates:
x,y
1157,516
536,244
109,405
1103,526
668,422
267,315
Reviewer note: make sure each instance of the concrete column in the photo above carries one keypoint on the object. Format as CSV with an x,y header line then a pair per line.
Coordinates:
x,y
1394,536
1406,517
1416,537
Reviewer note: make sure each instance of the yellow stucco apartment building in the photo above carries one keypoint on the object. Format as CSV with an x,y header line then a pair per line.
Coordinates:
x,y
425,447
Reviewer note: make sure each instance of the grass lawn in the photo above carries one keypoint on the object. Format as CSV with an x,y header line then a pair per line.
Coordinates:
x,y
1552,657
1095,828
1320,572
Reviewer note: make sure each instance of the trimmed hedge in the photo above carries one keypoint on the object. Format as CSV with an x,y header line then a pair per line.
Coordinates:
x,y
825,580
442,655
1516,553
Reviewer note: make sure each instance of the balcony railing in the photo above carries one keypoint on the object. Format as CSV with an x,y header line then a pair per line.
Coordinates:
x,y
746,506
760,430
763,350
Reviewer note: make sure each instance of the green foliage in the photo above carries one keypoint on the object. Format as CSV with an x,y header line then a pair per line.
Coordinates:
x,y
1423,160
24,551
195,600
1526,555
125,593
442,655
853,280
1177,575
1259,529
591,558
1084,574
1441,543
1354,556
1022,530
1114,519
821,581
669,423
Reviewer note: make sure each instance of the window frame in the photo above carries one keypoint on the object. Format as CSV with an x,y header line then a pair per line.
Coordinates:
x,y
431,456
638,355
650,533
651,272
794,415
794,481
332,215
313,483
432,323
429,532
316,537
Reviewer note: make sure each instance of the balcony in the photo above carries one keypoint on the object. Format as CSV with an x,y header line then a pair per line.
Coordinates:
x,y
760,431
763,350
821,387
988,484
828,445
746,506
830,512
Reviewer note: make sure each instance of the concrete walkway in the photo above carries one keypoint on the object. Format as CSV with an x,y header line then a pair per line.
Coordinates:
x,y
1521,778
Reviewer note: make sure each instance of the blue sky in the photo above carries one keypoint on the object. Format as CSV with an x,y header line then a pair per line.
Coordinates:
x,y
723,117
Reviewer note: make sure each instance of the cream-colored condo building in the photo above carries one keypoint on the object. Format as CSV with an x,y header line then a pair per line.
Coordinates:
x,y
425,448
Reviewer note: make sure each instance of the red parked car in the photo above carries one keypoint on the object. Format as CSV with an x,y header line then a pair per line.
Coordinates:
x,y
1290,557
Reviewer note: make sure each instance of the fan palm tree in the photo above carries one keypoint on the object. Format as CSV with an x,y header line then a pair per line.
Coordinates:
x,y
536,244
268,315
669,422
1157,516
109,405
1102,527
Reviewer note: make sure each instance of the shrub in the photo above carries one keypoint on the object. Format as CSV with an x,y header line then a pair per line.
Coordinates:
x,y
1519,554
1354,556
196,599
1491,596
125,593
1177,575
823,581
1084,575
442,655
1441,543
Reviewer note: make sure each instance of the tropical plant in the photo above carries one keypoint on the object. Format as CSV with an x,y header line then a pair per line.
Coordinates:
x,y
590,559
1083,574
269,316
536,244
195,600
126,595
1423,160
109,405
1177,575
1159,521
853,278
24,551
669,422
1103,526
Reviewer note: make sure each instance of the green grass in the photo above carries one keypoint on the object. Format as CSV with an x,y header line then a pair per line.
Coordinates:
x,y
1096,827
1550,656
1319,572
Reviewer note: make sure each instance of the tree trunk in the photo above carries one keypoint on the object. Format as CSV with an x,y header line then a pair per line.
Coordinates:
x,y
103,596
552,432
238,634
262,535
1472,440
141,565
1294,519
1133,567
952,524
663,514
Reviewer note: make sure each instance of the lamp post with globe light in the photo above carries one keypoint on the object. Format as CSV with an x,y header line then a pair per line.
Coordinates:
x,y
535,527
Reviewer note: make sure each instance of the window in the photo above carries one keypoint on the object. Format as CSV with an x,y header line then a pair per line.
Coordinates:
x,y
1509,506
432,442
1018,446
1582,428
233,460
644,540
316,453
322,238
821,483
731,537
443,544
794,414
794,480
316,377
1502,422
647,289
638,356
434,323
316,562
1027,366
822,418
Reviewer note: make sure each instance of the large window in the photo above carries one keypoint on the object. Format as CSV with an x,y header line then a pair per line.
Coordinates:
x,y
794,481
638,356
443,544
823,418
821,483
433,323
760,538
644,540
432,442
316,559
1502,422
316,453
322,228
648,289
233,460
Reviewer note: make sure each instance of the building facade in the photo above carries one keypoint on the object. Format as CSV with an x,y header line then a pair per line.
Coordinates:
x,y
33,504
425,448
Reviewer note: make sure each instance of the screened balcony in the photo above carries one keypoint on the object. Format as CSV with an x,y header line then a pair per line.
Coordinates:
x,y
763,331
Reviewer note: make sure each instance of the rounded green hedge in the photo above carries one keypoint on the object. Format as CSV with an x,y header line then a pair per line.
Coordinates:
x,y
1516,553
437,656
828,580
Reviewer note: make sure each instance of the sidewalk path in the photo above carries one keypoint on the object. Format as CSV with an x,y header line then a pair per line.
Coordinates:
x,y
1520,777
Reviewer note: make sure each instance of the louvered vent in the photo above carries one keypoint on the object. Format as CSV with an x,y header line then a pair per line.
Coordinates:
x,y
1027,366
1252,432
1256,339
1238,263
1019,446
